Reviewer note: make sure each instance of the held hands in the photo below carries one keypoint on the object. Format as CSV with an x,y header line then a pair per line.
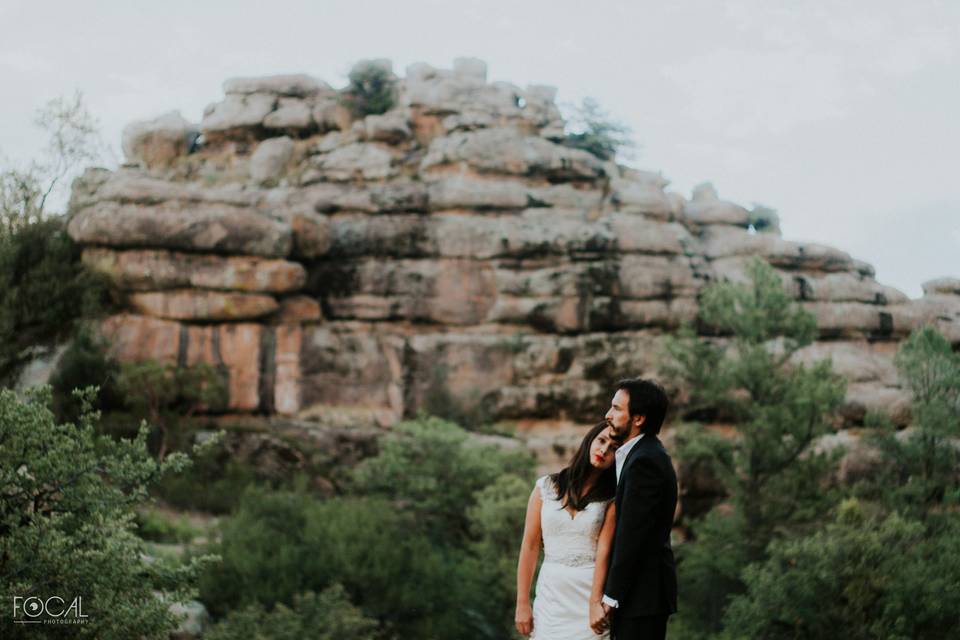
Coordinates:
x,y
599,617
524,619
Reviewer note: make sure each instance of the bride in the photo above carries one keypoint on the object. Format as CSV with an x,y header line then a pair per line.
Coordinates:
x,y
572,514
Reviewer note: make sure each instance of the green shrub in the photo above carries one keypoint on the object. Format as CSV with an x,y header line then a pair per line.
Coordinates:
x,y
213,483
155,526
44,291
863,577
328,615
435,469
66,524
85,363
593,130
425,544
773,475
372,89
167,396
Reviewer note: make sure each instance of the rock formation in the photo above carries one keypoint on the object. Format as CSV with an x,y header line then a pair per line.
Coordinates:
x,y
451,254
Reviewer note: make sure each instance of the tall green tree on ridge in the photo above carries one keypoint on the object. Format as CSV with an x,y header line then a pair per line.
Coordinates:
x,y
773,477
888,564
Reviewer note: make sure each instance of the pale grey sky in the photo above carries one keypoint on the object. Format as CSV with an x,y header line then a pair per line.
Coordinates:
x,y
844,116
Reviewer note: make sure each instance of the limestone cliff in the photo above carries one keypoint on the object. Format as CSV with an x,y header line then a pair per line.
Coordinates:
x,y
450,254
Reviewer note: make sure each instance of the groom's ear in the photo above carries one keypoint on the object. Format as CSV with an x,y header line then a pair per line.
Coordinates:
x,y
639,420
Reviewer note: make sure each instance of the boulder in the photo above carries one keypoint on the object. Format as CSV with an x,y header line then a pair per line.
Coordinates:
x,y
720,241
643,197
390,127
508,151
238,111
298,309
358,161
945,286
196,227
130,186
467,192
291,114
706,207
196,304
157,143
858,360
638,234
156,269
455,292
378,198
270,159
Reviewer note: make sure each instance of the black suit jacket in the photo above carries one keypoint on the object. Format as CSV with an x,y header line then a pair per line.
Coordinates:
x,y
642,576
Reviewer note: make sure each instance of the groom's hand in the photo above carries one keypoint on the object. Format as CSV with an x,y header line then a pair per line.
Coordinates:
x,y
598,617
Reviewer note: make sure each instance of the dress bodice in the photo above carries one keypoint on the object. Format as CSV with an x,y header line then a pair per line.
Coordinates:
x,y
568,540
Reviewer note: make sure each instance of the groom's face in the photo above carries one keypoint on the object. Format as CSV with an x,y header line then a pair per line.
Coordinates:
x,y
618,416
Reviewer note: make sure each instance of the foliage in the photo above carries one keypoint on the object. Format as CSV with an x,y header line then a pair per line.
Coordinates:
x,y
886,565
44,291
434,469
213,483
66,523
772,475
593,130
84,363
435,509
156,526
328,615
920,474
168,395
372,89
864,576
496,522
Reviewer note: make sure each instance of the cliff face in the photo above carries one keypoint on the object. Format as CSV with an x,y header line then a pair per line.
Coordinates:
x,y
450,255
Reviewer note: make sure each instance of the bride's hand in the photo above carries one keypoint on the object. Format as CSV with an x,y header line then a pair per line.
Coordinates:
x,y
598,618
524,619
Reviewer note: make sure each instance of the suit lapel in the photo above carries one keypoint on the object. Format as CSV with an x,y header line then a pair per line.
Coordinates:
x,y
646,441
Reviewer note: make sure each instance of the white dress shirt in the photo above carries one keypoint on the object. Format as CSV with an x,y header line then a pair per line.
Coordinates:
x,y
620,457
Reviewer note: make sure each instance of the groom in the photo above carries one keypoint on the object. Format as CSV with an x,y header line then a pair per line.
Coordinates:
x,y
641,587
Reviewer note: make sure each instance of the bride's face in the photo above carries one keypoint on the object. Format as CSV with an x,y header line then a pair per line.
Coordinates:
x,y
602,449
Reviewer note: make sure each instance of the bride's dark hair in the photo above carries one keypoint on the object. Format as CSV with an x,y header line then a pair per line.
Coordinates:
x,y
569,481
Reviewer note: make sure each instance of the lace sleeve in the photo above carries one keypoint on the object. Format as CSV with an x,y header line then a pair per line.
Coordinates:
x,y
547,490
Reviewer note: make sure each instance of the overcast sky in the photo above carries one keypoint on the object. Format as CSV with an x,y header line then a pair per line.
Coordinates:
x,y
844,116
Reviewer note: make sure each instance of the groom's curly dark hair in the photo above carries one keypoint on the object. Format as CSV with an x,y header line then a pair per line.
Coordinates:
x,y
647,398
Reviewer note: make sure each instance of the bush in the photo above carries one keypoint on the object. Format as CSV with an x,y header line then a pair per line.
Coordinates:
x,y
167,396
85,363
44,291
863,577
213,483
155,526
371,90
435,469
325,616
425,544
771,472
66,524
593,130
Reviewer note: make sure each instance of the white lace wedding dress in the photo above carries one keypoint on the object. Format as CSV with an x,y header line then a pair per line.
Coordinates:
x,y
561,608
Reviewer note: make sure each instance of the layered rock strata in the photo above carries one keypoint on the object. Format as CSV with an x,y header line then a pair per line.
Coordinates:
x,y
449,255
